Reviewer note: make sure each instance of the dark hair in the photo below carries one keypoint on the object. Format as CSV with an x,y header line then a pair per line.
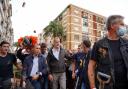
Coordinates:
x,y
87,43
43,45
4,42
112,19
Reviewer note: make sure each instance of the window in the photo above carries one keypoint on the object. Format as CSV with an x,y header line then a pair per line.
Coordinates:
x,y
94,33
60,18
98,19
90,16
102,21
102,27
84,15
90,24
2,22
85,22
85,29
76,37
90,31
10,10
94,25
2,1
94,18
85,25
85,36
99,33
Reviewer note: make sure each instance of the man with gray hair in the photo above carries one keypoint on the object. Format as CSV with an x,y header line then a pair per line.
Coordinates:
x,y
109,58
56,65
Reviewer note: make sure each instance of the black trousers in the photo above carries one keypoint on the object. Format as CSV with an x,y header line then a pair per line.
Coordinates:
x,y
121,86
116,86
5,84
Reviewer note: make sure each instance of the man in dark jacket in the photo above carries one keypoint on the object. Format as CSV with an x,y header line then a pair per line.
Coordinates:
x,y
45,53
22,53
56,64
34,67
110,58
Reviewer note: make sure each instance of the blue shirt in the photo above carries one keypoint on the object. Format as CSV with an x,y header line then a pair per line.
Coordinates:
x,y
35,67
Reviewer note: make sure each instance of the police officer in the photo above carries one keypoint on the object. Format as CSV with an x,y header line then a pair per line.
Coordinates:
x,y
110,57
80,65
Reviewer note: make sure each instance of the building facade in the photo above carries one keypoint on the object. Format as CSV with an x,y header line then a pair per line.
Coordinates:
x,y
80,24
6,30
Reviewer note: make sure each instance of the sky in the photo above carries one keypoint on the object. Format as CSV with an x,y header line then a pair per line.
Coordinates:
x,y
38,13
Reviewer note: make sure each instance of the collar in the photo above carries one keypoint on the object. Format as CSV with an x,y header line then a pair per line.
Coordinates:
x,y
104,41
54,49
37,56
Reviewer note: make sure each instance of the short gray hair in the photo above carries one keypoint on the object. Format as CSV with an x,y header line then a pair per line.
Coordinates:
x,y
112,20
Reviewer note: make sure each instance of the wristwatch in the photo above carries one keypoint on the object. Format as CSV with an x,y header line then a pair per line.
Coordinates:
x,y
39,73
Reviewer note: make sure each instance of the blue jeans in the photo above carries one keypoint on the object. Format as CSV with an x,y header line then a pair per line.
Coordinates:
x,y
46,82
83,85
36,84
5,84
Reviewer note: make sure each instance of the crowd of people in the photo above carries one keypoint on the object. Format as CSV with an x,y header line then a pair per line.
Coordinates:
x,y
103,65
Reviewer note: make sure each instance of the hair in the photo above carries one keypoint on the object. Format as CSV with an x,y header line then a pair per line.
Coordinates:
x,y
43,45
57,38
112,20
4,42
87,43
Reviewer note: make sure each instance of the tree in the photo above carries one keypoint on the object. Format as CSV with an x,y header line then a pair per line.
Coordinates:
x,y
54,29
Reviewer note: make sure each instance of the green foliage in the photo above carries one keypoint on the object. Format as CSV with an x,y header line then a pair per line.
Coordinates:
x,y
54,29
15,44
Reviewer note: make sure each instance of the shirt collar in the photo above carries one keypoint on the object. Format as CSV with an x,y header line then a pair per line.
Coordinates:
x,y
56,50
37,56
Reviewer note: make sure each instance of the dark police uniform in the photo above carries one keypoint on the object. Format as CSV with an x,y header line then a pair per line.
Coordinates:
x,y
111,57
81,60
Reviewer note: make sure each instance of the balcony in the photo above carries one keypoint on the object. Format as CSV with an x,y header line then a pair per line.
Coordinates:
x,y
1,10
10,11
5,5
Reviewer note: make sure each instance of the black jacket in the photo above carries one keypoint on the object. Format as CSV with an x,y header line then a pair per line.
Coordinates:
x,y
104,59
54,65
28,64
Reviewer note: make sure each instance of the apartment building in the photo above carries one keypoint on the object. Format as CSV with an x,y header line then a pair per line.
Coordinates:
x,y
80,24
6,30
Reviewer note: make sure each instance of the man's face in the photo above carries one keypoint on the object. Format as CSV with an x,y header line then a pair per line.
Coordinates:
x,y
79,49
5,48
116,25
84,48
43,49
37,49
57,43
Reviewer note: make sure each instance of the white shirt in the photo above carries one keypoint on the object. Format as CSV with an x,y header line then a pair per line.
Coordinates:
x,y
56,53
35,66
